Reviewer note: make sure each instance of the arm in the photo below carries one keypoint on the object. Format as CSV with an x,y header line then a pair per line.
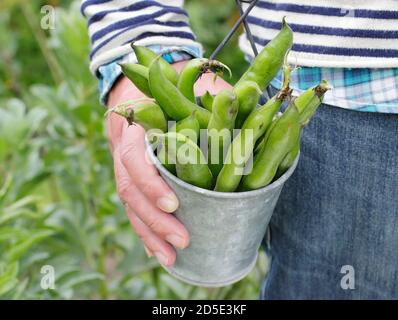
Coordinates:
x,y
147,198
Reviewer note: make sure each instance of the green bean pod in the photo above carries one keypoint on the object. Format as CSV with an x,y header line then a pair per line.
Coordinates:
x,y
222,121
286,91
147,114
207,101
172,101
193,70
138,75
306,104
146,56
242,146
288,160
190,162
281,140
189,127
264,138
248,94
268,62
163,156
309,101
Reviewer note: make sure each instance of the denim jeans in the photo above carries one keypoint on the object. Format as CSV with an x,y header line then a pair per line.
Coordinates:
x,y
334,232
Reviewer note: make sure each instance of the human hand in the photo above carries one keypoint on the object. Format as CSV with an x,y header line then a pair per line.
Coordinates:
x,y
148,200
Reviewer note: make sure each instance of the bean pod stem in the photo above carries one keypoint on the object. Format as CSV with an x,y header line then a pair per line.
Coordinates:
x,y
309,101
193,70
146,113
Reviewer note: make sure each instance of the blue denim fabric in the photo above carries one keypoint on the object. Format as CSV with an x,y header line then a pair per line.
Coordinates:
x,y
339,208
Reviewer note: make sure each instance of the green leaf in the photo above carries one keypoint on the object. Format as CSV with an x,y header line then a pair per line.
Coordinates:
x,y
6,185
11,233
21,203
17,209
19,289
8,279
21,247
80,279
9,215
32,183
178,288
60,129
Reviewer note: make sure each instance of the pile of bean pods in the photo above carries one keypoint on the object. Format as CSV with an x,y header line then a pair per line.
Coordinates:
x,y
268,139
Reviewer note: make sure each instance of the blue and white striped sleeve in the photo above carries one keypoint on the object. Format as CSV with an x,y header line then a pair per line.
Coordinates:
x,y
113,24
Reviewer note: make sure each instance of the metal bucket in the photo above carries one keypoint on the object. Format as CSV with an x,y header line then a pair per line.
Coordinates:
x,y
226,229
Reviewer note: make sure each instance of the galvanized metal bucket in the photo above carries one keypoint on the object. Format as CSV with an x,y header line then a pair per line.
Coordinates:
x,y
226,229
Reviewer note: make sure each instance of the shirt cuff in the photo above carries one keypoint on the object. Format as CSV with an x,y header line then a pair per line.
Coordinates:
x,y
109,73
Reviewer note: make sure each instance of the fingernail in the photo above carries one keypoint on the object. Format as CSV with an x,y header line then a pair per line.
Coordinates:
x,y
162,258
176,241
168,203
148,252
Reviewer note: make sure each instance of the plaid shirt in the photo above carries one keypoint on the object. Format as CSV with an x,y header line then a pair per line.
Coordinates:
x,y
371,90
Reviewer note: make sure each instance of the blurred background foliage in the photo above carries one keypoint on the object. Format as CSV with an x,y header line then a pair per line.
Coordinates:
x,y
58,204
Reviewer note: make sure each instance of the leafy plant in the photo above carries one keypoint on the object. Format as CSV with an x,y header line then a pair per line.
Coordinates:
x,y
58,205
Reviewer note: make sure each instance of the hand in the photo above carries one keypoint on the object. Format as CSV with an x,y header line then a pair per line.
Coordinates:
x,y
148,199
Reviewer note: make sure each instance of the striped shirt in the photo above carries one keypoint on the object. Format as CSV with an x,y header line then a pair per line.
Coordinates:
x,y
114,24
331,33
351,43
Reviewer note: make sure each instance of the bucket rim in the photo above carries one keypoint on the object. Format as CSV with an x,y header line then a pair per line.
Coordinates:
x,y
217,194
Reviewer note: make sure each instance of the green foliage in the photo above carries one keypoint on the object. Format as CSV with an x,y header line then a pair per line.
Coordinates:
x,y
58,204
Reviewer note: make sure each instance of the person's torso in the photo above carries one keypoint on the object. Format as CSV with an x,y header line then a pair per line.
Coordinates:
x,y
351,43
332,33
